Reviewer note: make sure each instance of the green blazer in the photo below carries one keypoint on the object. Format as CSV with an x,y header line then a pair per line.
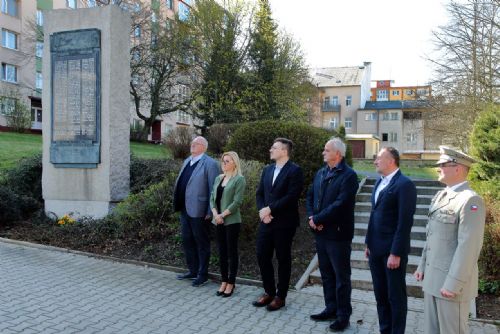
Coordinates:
x,y
232,197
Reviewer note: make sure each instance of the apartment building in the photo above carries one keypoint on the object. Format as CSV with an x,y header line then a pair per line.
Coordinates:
x,y
21,50
394,114
341,92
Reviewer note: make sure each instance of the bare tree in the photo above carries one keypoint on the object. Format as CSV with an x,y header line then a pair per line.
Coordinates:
x,y
466,68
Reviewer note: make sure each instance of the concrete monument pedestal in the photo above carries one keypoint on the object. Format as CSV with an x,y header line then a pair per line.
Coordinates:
x,y
86,121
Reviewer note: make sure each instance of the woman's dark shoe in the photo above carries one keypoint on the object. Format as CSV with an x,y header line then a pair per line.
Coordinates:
x,y
221,290
230,293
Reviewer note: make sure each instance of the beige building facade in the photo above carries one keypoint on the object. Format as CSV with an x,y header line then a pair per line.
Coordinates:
x,y
21,51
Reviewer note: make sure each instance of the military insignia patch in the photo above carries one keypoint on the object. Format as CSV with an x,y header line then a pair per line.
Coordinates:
x,y
473,208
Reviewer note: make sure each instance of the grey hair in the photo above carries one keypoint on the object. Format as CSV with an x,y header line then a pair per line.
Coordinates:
x,y
202,140
338,145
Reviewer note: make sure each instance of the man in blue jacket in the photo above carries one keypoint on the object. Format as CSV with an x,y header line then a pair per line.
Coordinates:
x,y
330,208
394,200
191,197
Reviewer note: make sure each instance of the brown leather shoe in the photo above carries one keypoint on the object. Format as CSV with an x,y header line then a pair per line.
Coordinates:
x,y
276,304
263,300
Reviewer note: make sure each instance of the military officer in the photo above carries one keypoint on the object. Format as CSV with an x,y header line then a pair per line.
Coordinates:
x,y
448,267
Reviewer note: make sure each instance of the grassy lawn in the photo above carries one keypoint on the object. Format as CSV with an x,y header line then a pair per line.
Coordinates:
x,y
413,172
15,146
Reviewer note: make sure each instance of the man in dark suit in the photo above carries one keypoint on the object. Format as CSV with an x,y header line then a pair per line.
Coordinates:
x,y
277,200
394,200
191,197
330,208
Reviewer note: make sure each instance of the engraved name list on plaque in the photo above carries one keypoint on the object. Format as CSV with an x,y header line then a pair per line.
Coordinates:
x,y
75,88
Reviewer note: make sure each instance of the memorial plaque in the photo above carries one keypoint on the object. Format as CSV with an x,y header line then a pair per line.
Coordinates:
x,y
75,60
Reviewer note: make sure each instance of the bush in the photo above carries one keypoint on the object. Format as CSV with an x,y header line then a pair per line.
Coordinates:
x,y
218,136
178,142
251,170
489,260
26,178
15,207
145,172
485,146
253,140
148,214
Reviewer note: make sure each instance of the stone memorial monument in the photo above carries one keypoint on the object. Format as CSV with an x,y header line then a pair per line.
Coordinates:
x,y
86,151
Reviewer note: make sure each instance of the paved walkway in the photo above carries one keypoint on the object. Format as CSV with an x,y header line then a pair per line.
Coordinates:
x,y
47,291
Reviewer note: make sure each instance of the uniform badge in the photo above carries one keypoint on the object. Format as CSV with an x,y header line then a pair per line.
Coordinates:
x,y
473,208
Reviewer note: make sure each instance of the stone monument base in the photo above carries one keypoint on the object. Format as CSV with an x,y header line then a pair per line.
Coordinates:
x,y
78,209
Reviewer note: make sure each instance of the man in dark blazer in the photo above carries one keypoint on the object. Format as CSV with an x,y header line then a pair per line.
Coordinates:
x,y
394,201
191,197
330,208
277,200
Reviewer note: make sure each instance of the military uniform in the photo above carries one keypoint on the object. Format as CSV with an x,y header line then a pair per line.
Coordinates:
x,y
449,259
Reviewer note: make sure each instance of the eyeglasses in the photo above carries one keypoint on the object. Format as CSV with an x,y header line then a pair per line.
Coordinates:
x,y
444,165
225,162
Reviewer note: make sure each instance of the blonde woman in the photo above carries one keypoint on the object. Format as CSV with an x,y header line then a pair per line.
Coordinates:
x,y
225,201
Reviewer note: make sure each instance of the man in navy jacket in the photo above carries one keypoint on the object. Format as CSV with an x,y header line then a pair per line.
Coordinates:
x,y
394,200
330,208
277,200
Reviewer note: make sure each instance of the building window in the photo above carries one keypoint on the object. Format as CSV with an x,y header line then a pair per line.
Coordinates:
x,y
382,95
154,17
9,73
385,136
335,100
137,32
371,116
71,4
39,80
411,137
91,3
39,18
36,115
184,10
170,4
348,122
395,93
327,100
422,92
409,92
39,49
393,137
182,117
7,105
9,7
333,123
348,100
9,39
390,116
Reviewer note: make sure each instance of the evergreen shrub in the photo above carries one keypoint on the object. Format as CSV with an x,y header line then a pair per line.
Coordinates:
x,y
253,140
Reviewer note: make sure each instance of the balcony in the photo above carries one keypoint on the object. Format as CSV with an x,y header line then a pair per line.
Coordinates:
x,y
329,107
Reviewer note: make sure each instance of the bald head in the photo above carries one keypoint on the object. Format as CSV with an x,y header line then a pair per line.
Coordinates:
x,y
199,145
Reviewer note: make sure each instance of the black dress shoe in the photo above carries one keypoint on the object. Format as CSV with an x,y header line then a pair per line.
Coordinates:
x,y
323,316
199,281
225,295
187,275
219,293
339,325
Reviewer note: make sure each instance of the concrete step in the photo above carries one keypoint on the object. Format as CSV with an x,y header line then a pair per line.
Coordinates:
x,y
420,190
417,182
359,261
362,279
364,217
364,296
421,209
416,246
366,197
417,232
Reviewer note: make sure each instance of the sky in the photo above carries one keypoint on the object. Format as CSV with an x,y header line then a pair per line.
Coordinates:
x,y
394,35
